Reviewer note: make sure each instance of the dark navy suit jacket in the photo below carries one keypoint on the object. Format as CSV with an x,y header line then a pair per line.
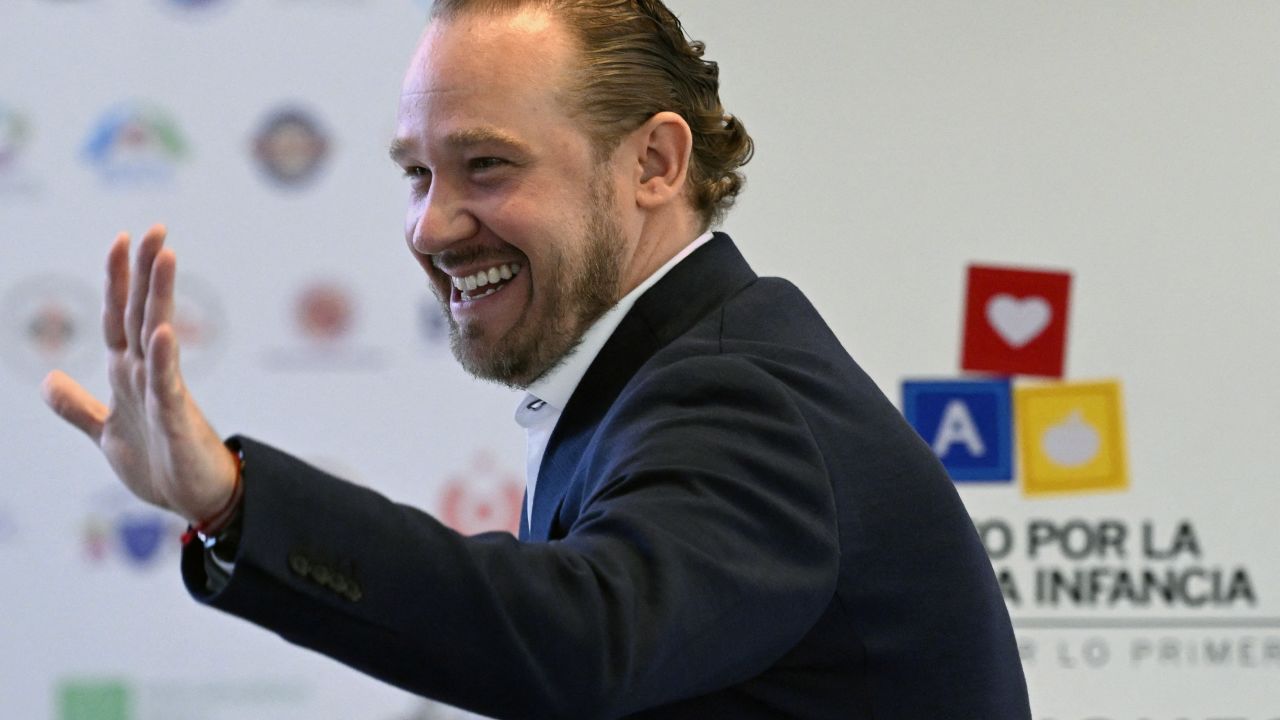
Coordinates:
x,y
731,522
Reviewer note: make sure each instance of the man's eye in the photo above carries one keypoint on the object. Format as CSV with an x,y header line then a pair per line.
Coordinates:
x,y
487,163
417,173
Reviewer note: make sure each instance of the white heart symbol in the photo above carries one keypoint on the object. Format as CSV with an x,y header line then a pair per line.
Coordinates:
x,y
1018,322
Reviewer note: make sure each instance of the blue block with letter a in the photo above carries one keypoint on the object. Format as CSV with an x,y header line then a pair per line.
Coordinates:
x,y
968,423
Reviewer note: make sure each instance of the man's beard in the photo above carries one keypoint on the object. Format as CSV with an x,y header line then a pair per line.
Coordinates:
x,y
582,292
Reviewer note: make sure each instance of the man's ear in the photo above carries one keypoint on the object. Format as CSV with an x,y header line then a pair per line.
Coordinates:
x,y
663,146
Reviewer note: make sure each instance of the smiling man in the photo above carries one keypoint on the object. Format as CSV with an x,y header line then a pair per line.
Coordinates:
x,y
510,171
725,518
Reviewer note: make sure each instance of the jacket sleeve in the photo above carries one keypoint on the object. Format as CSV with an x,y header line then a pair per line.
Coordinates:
x,y
702,547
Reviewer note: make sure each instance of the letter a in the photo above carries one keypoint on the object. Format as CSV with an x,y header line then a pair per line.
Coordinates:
x,y
957,426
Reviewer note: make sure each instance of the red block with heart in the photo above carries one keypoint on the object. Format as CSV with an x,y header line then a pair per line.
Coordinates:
x,y
1016,321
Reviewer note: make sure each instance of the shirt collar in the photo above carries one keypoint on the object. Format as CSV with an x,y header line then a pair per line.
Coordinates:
x,y
558,385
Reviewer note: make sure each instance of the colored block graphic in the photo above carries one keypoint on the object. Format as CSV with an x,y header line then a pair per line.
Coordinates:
x,y
1016,321
967,423
1071,438
104,700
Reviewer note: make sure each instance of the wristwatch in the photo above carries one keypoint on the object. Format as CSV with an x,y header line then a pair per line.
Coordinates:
x,y
223,545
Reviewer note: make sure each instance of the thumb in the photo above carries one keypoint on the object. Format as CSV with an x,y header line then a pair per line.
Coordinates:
x,y
73,403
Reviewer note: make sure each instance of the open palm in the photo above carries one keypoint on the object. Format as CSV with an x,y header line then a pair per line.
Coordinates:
x,y
152,433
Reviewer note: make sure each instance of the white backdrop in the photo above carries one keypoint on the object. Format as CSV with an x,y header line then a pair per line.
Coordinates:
x,y
1134,144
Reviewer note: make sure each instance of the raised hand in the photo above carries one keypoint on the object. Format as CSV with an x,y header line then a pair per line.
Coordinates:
x,y
152,434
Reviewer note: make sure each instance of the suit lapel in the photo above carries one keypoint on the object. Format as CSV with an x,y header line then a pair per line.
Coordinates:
x,y
696,286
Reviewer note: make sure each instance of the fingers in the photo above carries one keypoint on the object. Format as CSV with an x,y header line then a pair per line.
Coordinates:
x,y
117,294
159,310
135,312
163,374
74,404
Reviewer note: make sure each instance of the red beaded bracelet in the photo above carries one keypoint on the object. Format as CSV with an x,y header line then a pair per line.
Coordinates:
x,y
223,517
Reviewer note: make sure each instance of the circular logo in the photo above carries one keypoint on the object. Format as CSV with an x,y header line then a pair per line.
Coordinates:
x,y
482,499
325,312
135,143
120,526
291,147
49,322
199,323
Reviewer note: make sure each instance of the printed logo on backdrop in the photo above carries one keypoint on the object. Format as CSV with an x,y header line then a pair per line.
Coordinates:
x,y
1147,593
1072,438
54,322
291,148
94,700
325,313
134,145
200,324
482,498
50,322
87,698
325,328
1069,436
968,423
15,140
119,529
1016,321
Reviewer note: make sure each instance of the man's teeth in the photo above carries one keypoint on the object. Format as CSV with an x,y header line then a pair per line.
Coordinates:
x,y
492,276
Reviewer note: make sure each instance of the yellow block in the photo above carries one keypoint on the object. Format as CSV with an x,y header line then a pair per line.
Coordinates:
x,y
1071,438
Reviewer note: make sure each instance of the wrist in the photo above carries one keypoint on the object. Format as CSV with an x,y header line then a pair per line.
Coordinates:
x,y
222,516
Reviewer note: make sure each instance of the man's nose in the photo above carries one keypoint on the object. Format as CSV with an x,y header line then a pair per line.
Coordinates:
x,y
442,220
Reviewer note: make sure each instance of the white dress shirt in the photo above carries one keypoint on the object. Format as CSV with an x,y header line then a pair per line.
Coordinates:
x,y
540,408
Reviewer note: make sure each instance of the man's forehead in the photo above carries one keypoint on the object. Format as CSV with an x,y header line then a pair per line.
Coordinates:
x,y
530,35
529,17
487,79
512,48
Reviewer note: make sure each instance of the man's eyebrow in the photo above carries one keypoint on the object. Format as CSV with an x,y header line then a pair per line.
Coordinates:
x,y
481,135
462,139
399,149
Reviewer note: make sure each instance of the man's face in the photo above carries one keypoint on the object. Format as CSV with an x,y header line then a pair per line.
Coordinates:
x,y
510,214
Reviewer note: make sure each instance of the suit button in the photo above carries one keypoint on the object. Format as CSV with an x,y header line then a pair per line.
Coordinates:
x,y
354,593
321,574
299,564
